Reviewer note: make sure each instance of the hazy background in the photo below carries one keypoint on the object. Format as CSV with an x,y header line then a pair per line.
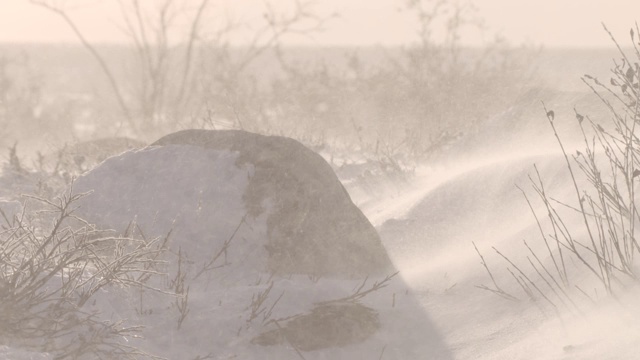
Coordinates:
x,y
389,78
566,23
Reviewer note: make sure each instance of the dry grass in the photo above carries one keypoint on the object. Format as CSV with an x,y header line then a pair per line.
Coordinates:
x,y
51,265
603,176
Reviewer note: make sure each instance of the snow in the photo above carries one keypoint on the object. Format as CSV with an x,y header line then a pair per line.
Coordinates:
x,y
432,310
430,241
10,353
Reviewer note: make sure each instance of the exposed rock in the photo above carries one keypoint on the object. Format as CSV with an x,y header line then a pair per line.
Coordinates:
x,y
313,227
330,324
311,223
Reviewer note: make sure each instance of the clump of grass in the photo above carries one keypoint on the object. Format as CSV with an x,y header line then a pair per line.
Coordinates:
x,y
604,176
52,264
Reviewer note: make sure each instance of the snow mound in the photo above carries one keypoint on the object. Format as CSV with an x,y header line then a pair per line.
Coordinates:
x,y
481,204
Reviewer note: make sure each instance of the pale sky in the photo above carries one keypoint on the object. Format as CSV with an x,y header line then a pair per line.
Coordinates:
x,y
362,22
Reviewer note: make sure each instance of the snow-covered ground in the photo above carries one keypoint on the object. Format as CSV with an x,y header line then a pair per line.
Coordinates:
x,y
428,223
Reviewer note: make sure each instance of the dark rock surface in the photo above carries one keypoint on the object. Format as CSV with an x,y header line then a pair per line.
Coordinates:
x,y
313,226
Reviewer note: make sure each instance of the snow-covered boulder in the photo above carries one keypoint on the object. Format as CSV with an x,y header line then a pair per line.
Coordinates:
x,y
267,255
190,180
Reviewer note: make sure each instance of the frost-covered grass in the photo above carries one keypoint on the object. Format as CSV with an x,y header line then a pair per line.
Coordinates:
x,y
51,265
591,231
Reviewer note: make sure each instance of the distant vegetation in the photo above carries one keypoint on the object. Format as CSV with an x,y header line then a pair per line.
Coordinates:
x,y
413,100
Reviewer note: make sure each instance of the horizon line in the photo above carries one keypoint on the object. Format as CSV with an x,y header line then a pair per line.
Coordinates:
x,y
326,45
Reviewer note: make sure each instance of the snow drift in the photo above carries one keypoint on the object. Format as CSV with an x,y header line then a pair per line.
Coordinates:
x,y
478,201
